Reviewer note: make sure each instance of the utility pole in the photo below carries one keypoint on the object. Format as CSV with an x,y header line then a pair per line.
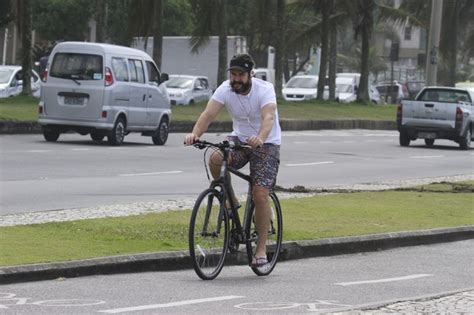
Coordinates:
x,y
433,43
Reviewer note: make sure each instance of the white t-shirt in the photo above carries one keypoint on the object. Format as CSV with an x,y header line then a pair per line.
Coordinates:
x,y
245,110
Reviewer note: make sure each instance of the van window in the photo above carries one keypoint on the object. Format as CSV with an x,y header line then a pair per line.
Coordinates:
x,y
119,67
77,66
153,73
136,71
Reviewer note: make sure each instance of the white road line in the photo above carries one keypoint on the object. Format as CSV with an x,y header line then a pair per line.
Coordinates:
x,y
81,149
172,304
409,277
38,151
153,173
426,156
308,164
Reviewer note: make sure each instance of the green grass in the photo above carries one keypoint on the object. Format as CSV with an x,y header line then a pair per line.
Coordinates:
x,y
24,108
317,217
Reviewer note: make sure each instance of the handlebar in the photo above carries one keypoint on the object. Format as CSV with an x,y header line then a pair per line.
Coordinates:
x,y
202,144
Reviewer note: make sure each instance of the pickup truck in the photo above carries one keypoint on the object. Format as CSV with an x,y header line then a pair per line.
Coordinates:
x,y
437,113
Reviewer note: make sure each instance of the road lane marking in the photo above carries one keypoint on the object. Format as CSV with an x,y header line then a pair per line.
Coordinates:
x,y
409,277
150,174
308,164
172,304
426,156
38,151
80,149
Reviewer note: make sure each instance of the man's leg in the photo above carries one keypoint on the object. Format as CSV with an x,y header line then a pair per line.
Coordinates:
x,y
263,215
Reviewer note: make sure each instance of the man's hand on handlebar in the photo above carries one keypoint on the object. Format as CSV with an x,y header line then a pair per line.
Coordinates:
x,y
190,139
255,142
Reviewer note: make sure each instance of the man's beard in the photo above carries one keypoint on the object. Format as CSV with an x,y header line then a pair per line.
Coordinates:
x,y
243,89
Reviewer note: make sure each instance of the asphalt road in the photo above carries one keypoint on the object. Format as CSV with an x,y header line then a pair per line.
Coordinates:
x,y
75,172
299,286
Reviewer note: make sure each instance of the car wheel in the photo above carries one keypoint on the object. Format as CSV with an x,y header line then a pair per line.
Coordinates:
x,y
161,134
117,134
465,142
51,134
191,102
429,142
404,139
97,136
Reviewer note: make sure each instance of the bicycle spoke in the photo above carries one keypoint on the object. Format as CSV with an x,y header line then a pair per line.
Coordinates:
x,y
274,237
208,235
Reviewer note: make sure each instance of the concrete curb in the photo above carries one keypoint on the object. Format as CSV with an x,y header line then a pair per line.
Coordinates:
x,y
32,127
167,261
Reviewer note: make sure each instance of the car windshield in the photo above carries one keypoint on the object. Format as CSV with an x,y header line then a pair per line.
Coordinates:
x,y
447,96
5,75
344,88
179,83
304,83
77,66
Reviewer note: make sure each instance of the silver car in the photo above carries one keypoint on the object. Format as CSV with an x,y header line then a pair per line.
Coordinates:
x,y
11,82
188,89
103,90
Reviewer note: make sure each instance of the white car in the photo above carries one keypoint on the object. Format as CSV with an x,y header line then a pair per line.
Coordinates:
x,y
188,89
11,82
301,88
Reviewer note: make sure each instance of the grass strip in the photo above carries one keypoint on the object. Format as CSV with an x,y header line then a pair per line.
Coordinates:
x,y
25,108
321,216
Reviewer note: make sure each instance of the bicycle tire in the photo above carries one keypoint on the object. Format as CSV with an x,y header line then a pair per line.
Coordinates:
x,y
275,236
208,244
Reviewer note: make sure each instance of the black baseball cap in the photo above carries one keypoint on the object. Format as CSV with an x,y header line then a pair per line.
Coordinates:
x,y
241,62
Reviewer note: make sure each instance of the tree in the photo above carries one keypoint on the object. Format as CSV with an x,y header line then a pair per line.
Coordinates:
x,y
363,23
62,20
324,36
158,32
279,46
210,18
100,17
24,9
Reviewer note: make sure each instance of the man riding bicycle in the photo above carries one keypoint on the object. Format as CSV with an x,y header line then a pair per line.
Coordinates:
x,y
251,102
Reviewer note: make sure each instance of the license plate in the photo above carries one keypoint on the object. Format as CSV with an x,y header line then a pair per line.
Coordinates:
x,y
427,135
73,100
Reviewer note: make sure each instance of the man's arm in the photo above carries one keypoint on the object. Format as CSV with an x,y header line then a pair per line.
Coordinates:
x,y
268,113
207,116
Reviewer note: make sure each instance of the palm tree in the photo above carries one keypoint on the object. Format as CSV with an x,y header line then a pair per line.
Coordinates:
x,y
100,19
157,32
325,11
363,22
279,46
210,18
24,19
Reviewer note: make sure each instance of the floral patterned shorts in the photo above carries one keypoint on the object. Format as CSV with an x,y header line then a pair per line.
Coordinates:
x,y
264,162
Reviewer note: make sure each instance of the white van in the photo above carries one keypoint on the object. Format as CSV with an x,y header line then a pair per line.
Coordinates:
x,y
103,90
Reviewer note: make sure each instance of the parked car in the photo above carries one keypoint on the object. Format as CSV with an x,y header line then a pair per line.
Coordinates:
x,y
414,87
103,90
301,88
188,89
11,81
374,95
393,93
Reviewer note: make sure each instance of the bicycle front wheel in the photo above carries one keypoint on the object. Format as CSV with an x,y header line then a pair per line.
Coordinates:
x,y
274,236
208,234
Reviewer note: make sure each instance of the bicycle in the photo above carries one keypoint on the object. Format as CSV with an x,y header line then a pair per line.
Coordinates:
x,y
215,230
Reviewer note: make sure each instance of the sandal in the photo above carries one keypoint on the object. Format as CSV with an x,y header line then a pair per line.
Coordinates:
x,y
259,261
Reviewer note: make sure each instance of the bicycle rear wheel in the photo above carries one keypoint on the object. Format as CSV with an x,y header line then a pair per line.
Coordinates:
x,y
208,234
274,236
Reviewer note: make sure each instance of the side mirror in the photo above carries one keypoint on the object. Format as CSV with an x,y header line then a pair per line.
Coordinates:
x,y
164,77
20,82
